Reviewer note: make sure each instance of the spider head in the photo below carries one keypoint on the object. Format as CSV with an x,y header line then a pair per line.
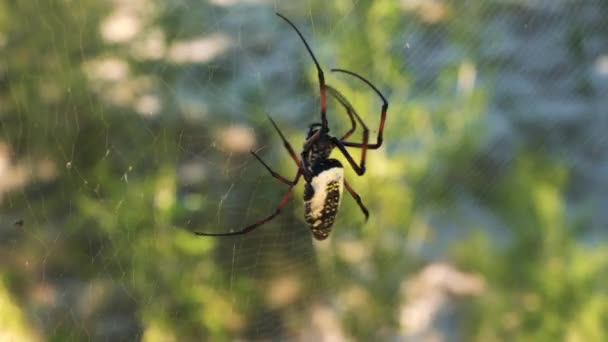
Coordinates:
x,y
314,128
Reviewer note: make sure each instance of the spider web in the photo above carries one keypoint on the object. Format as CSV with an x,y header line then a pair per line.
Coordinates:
x,y
127,125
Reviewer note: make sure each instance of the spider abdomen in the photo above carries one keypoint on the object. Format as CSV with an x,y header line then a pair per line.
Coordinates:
x,y
322,197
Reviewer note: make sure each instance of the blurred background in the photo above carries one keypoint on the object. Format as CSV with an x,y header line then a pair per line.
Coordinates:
x,y
126,125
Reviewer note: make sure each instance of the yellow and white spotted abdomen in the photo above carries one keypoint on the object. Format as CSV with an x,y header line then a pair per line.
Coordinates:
x,y
322,199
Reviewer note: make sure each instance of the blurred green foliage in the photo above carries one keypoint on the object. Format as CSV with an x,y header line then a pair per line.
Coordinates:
x,y
112,188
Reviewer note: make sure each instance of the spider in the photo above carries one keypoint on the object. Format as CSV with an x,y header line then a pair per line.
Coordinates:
x,y
324,176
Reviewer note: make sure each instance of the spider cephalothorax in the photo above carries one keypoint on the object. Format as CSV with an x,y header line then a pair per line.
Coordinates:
x,y
318,145
323,176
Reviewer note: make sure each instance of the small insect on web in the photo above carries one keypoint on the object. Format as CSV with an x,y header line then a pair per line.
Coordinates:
x,y
323,176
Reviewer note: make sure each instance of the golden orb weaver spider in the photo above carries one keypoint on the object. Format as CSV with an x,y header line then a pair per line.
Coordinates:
x,y
324,177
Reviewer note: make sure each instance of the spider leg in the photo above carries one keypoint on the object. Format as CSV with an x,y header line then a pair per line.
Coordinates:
x,y
384,109
359,168
340,143
350,111
357,198
265,219
275,175
319,73
286,143
300,162
272,172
